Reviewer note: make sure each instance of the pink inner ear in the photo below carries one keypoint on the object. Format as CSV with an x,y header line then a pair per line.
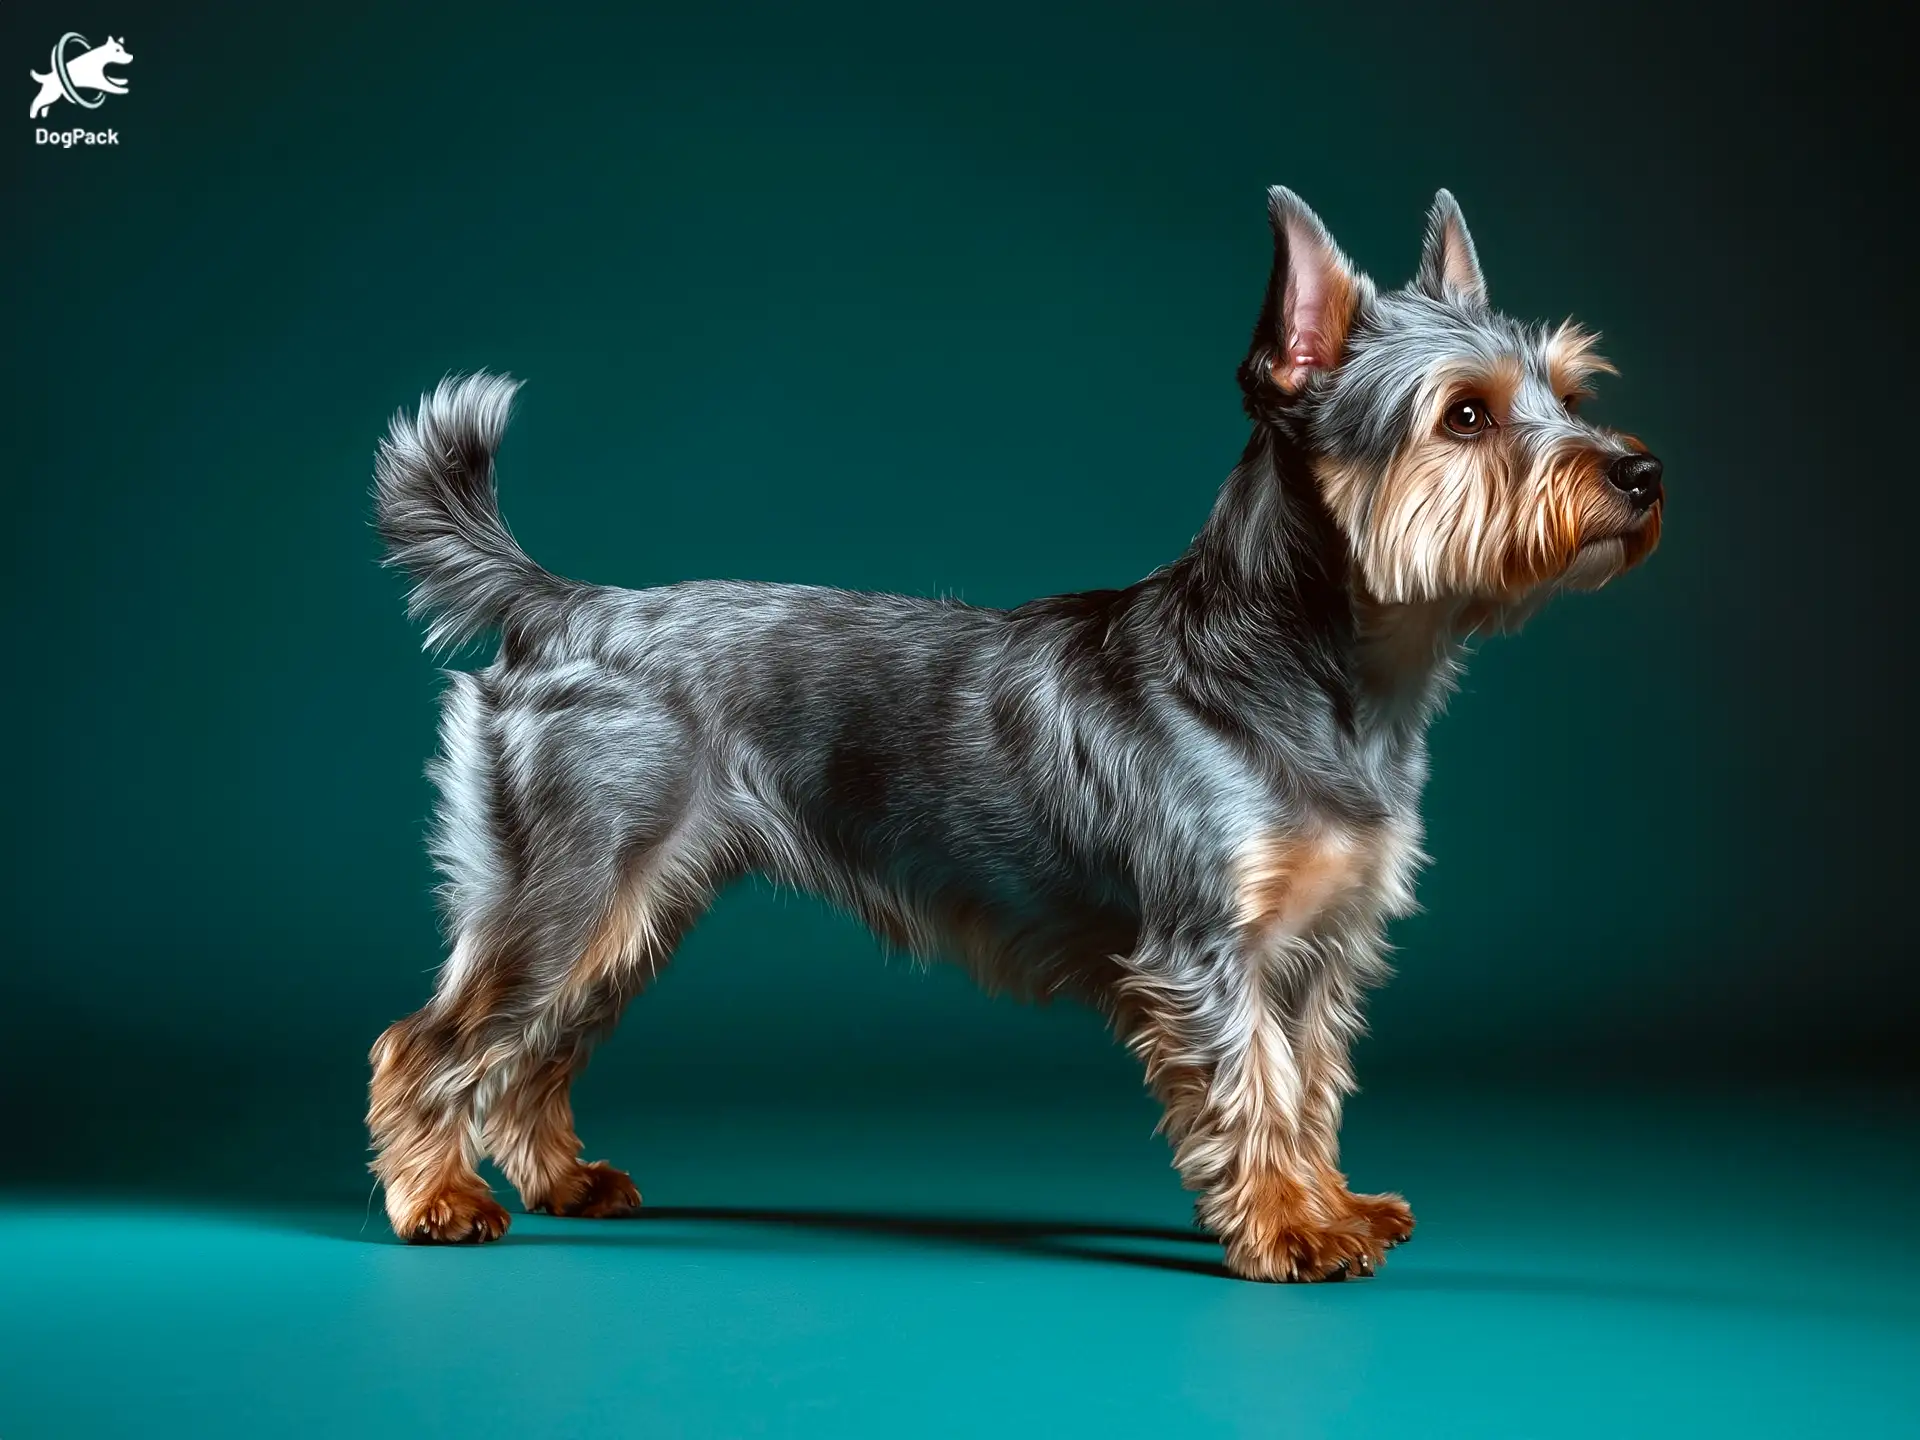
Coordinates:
x,y
1306,303
1309,292
1306,352
1457,261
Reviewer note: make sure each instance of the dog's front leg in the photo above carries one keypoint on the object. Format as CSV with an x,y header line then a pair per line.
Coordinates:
x,y
1324,1019
1246,1107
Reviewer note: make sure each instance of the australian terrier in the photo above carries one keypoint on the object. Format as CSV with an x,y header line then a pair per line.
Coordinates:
x,y
1193,803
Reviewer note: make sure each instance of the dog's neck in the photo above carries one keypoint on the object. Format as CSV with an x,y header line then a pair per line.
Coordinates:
x,y
1410,655
1259,608
1405,661
1270,576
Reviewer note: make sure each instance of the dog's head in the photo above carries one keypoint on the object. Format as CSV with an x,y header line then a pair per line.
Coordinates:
x,y
1445,437
113,52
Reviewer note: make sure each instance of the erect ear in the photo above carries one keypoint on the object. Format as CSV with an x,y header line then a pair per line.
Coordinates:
x,y
1312,295
1449,265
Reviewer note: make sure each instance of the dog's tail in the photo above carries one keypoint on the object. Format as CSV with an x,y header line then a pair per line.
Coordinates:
x,y
437,509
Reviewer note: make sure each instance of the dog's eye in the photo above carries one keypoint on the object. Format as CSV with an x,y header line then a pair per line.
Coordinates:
x,y
1572,402
1467,418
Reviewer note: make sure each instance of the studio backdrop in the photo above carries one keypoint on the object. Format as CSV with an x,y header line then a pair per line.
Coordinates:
x,y
902,304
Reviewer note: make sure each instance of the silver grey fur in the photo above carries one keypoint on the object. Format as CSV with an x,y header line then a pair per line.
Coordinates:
x,y
1081,774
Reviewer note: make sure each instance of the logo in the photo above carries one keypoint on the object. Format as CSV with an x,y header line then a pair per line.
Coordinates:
x,y
74,68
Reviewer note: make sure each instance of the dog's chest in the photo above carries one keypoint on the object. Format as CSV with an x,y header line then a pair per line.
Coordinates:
x,y
1324,868
1321,873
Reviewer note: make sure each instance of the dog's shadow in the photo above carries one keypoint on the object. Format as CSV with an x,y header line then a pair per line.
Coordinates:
x,y
1146,1246
1189,1251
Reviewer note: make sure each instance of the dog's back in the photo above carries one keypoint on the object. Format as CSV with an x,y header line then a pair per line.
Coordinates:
x,y
868,747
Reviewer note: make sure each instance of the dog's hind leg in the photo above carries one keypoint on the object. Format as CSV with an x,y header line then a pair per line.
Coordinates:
x,y
530,1135
574,862
529,1127
492,1055
422,1111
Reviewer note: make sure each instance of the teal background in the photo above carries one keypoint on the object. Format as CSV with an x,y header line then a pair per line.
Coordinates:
x,y
942,301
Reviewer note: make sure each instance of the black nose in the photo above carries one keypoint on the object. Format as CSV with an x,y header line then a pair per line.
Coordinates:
x,y
1638,478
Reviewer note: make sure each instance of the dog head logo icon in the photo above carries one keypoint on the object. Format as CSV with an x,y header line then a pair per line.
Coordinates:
x,y
70,74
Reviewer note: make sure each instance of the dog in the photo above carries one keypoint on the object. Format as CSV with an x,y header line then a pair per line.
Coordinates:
x,y
87,71
1192,803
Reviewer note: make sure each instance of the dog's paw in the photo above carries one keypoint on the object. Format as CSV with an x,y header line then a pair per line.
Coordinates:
x,y
455,1217
593,1192
1388,1218
1305,1256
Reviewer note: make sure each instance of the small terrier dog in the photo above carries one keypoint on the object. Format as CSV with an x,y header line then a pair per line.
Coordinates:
x,y
1192,803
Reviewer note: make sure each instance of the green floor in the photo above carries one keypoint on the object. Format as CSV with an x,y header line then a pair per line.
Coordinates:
x,y
1620,1269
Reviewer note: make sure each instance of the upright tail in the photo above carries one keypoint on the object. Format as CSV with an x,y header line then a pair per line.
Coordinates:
x,y
437,509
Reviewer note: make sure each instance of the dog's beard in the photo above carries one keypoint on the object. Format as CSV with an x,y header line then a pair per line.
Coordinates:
x,y
1594,564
